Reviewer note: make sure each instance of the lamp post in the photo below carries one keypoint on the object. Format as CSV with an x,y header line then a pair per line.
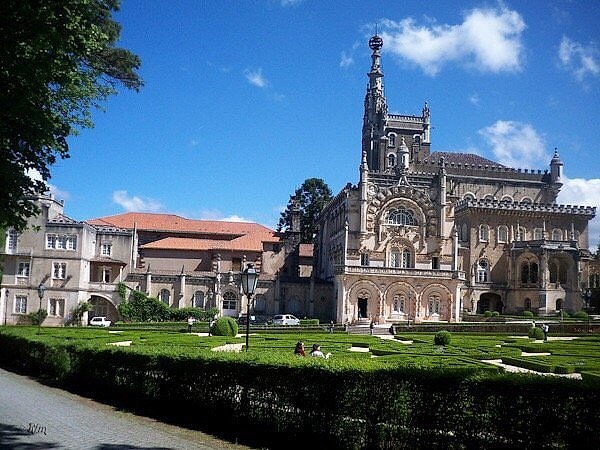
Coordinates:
x,y
588,298
249,282
41,289
409,301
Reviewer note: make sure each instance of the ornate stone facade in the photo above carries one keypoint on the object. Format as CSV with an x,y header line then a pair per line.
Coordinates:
x,y
430,236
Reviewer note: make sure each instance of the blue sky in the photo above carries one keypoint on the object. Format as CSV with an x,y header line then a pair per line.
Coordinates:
x,y
244,100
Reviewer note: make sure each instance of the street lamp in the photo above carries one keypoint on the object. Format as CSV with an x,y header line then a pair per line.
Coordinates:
x,y
249,282
587,297
409,301
41,289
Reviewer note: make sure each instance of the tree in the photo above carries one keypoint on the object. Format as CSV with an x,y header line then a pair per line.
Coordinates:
x,y
309,199
58,60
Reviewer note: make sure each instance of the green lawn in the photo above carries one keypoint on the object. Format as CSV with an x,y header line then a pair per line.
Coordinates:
x,y
410,349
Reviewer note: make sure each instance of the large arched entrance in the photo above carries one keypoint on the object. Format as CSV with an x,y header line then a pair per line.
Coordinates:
x,y
103,307
490,302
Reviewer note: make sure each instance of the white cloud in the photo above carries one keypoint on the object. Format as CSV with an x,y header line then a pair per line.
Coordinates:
x,y
133,203
215,214
488,38
515,144
235,218
579,59
346,60
58,193
579,191
285,3
474,99
256,78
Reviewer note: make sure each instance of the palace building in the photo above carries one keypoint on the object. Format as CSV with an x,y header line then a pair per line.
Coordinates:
x,y
430,236
424,236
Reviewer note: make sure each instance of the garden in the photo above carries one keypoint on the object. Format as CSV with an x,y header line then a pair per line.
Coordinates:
x,y
410,390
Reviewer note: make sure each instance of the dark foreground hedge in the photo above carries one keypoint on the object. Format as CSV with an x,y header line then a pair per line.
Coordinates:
x,y
322,405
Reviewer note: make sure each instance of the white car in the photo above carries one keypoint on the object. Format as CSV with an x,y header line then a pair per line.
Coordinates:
x,y
100,322
285,319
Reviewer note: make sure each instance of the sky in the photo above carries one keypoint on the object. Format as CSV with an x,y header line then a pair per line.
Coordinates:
x,y
244,100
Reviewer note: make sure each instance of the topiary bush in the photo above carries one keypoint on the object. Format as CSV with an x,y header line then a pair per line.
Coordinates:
x,y
495,314
580,315
535,333
527,313
442,338
224,326
487,314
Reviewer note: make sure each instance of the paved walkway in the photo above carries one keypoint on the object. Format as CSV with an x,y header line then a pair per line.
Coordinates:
x,y
34,416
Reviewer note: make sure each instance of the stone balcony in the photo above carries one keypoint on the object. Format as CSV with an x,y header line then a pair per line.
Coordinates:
x,y
398,272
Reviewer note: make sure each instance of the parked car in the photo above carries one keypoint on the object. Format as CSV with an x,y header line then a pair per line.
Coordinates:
x,y
242,319
100,322
285,319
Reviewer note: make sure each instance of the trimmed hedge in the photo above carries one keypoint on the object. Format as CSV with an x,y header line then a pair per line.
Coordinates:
x,y
224,326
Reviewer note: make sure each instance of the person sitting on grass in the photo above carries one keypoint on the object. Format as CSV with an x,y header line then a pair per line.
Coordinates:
x,y
316,351
299,350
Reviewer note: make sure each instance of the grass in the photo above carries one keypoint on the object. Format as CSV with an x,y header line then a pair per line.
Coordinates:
x,y
465,349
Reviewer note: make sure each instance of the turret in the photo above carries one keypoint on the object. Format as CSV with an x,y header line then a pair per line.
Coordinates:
x,y
403,156
556,168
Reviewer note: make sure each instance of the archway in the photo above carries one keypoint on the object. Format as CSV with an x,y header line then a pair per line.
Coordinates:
x,y
363,310
489,302
104,308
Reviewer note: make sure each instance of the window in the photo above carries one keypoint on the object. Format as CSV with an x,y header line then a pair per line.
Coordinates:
x,y
392,140
482,271
435,262
405,258
502,233
61,242
434,305
484,233
399,303
59,271
400,258
401,216
557,235
199,299
20,304
106,249
165,296
364,259
229,300
521,234
56,307
236,264
529,272
527,304
12,240
23,269
464,233
391,160
395,257
537,234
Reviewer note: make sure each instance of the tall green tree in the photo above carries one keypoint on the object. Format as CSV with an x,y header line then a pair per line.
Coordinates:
x,y
58,61
309,200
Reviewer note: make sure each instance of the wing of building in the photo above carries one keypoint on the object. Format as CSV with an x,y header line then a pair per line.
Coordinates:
x,y
182,262
429,236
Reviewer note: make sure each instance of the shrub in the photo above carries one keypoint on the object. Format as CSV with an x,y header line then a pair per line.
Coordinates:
x,y
581,315
225,326
487,314
38,317
495,314
528,314
442,338
535,333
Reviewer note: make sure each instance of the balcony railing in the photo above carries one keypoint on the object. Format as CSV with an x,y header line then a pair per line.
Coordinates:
x,y
394,271
102,287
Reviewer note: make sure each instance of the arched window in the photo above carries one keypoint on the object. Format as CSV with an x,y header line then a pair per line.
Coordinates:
x,y
391,160
483,270
395,257
484,233
199,299
529,272
406,258
165,296
401,216
526,200
557,234
537,234
503,233
229,300
391,140
559,304
521,234
433,306
260,303
527,304
507,198
469,196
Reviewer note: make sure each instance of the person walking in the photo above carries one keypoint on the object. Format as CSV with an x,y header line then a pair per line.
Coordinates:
x,y
190,322
331,327
545,329
371,327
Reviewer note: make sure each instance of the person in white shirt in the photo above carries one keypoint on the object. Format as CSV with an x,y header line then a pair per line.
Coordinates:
x,y
316,351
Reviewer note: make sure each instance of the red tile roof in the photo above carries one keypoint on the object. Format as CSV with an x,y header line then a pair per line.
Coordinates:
x,y
174,223
251,242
